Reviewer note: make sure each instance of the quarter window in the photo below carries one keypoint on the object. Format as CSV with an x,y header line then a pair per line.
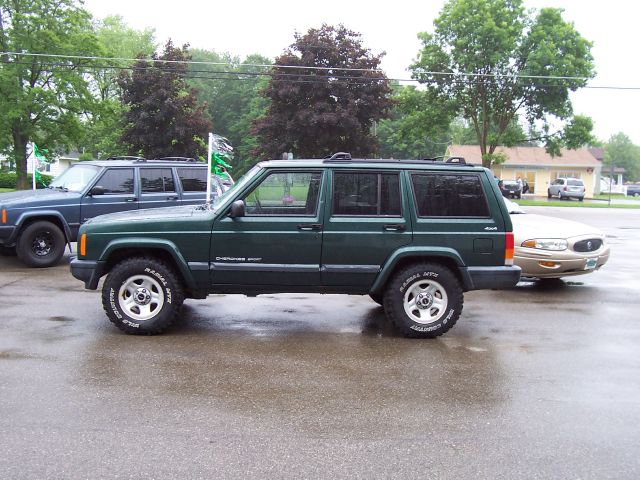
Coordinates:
x,y
366,194
117,181
285,193
441,195
156,180
193,179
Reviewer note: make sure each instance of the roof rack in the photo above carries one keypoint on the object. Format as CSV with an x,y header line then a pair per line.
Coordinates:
x,y
176,159
346,157
126,157
339,156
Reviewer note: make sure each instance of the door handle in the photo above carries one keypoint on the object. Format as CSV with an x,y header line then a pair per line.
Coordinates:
x,y
394,227
173,197
310,227
131,199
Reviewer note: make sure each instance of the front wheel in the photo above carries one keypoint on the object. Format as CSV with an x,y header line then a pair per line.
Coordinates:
x,y
424,300
41,244
142,296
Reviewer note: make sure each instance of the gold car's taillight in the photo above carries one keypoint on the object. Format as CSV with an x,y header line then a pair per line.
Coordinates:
x,y
508,248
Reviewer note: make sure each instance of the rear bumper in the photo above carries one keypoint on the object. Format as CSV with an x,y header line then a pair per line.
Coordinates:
x,y
496,278
88,271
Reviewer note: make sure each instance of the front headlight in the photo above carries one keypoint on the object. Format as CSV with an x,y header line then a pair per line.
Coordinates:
x,y
546,243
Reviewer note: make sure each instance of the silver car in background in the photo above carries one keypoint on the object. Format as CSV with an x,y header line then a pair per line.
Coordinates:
x,y
565,188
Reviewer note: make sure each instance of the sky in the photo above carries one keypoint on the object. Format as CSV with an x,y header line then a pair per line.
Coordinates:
x,y
244,27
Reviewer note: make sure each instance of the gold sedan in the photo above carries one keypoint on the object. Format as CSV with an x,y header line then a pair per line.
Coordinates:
x,y
549,247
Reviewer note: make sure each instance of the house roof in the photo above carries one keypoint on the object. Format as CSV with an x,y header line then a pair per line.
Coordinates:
x,y
529,156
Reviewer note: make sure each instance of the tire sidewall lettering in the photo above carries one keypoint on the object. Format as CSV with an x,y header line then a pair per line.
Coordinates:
x,y
411,280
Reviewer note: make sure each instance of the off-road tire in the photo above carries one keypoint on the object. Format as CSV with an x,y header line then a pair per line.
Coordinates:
x,y
142,296
41,244
440,294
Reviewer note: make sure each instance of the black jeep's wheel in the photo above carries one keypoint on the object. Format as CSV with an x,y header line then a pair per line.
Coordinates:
x,y
142,296
424,300
41,244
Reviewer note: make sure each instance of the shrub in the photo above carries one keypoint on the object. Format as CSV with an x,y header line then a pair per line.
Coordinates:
x,y
8,180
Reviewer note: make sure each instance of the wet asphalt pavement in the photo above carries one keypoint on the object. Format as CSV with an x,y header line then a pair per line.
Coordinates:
x,y
542,381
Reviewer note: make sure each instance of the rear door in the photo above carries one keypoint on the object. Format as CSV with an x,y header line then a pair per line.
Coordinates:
x,y
157,187
120,194
366,220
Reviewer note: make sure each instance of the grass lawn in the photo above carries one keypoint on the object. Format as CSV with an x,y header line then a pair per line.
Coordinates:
x,y
573,203
4,190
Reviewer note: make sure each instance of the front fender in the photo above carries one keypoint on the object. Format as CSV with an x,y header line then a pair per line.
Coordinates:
x,y
419,254
144,243
43,215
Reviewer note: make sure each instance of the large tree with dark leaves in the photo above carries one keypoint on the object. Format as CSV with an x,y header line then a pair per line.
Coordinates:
x,y
325,94
163,118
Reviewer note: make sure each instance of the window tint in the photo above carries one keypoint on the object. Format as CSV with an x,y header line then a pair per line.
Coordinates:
x,y
366,194
156,180
441,195
193,179
117,180
285,193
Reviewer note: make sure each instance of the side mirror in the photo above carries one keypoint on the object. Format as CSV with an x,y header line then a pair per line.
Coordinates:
x,y
97,190
237,209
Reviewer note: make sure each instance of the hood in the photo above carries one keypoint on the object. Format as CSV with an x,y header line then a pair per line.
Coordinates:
x,y
41,198
150,215
528,226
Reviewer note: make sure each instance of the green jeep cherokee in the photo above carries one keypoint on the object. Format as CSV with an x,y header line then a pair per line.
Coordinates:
x,y
414,235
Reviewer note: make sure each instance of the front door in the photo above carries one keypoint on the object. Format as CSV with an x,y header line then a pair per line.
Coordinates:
x,y
279,240
119,194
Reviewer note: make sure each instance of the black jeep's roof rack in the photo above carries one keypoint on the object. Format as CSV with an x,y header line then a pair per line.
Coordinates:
x,y
176,159
126,157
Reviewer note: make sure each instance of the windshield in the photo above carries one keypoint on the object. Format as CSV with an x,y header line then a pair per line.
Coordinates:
x,y
239,185
75,178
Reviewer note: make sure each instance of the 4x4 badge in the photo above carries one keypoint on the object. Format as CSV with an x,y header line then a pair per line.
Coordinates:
x,y
491,228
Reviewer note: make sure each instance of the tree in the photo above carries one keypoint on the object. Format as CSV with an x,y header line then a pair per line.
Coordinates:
x,y
621,152
328,101
105,126
495,60
232,93
163,117
43,98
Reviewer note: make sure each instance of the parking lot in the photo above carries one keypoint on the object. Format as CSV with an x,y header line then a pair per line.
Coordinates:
x,y
542,381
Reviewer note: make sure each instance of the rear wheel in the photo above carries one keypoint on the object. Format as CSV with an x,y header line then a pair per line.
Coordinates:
x,y
41,244
142,296
424,300
548,193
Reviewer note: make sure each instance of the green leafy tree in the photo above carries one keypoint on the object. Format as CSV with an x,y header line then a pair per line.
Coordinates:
x,y
232,93
317,111
42,99
163,117
485,55
621,152
418,127
105,126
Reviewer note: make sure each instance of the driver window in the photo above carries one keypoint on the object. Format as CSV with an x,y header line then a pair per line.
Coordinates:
x,y
285,193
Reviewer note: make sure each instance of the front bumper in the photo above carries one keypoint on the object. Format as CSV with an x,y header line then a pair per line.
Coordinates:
x,y
7,235
89,271
496,278
567,263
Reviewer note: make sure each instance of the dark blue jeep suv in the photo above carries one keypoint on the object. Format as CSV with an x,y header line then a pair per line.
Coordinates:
x,y
36,225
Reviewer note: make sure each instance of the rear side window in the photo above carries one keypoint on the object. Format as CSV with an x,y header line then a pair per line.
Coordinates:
x,y
193,179
156,180
366,194
117,181
446,195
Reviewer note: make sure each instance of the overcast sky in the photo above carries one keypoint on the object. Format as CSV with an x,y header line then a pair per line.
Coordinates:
x,y
267,27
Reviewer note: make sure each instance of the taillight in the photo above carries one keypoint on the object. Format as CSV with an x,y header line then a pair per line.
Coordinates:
x,y
508,248
83,244
565,188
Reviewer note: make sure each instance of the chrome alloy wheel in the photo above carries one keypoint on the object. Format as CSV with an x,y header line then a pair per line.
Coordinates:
x,y
425,301
141,297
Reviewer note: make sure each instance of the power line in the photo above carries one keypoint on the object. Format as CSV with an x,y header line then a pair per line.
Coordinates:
x,y
214,75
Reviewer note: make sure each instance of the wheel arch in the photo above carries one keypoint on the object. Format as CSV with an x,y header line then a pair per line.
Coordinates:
x,y
166,251
401,258
52,216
